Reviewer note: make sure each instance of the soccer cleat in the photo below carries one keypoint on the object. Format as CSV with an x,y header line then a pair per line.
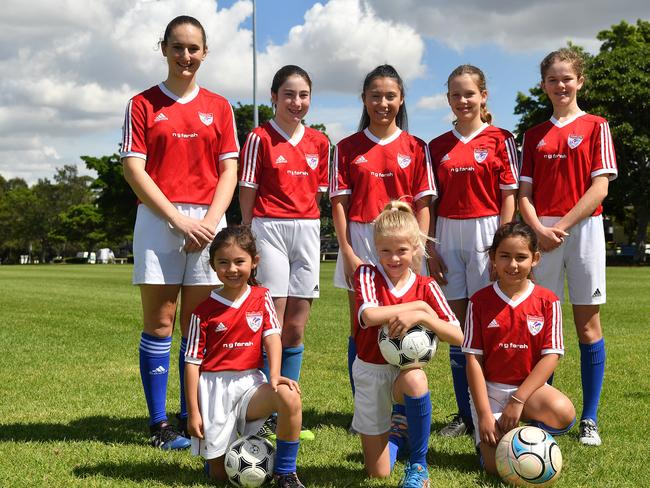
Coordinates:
x,y
287,481
267,431
589,433
165,437
456,427
399,429
415,476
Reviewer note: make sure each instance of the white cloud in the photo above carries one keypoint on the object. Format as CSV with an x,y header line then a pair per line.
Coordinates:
x,y
514,25
340,42
434,102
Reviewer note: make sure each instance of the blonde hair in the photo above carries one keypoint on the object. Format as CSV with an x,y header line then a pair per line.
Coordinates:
x,y
567,55
398,220
479,78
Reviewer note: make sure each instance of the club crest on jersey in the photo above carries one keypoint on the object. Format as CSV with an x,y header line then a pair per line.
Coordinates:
x,y
535,323
254,320
574,140
480,155
312,160
403,160
206,118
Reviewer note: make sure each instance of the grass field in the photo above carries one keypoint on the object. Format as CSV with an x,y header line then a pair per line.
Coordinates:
x,y
72,412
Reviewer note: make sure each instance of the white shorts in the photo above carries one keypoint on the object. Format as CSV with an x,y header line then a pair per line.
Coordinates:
x,y
463,245
498,395
223,401
289,256
373,396
158,252
582,256
362,240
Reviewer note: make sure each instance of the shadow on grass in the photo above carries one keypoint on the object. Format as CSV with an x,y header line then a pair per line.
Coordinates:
x,y
173,474
311,418
100,428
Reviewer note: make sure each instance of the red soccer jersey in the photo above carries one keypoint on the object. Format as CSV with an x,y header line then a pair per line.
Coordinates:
x,y
560,159
512,336
374,172
227,336
372,288
472,171
287,173
181,139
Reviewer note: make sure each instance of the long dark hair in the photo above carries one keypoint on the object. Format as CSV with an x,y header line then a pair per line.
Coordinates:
x,y
241,236
180,20
385,71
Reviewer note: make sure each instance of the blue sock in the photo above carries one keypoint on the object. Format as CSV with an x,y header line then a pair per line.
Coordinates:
x,y
265,368
292,362
553,430
550,379
154,370
418,415
181,374
352,354
592,368
459,377
396,442
286,453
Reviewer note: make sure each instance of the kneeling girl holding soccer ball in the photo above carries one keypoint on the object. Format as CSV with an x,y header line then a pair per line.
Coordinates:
x,y
392,294
226,393
513,342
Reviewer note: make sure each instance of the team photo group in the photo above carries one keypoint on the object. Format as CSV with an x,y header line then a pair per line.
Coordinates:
x,y
465,239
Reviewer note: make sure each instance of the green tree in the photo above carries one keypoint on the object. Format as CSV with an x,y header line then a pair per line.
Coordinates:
x,y
116,202
617,87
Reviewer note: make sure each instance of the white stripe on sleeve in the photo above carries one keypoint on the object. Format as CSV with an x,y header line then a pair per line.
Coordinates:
x,y
442,303
511,150
194,337
469,326
270,308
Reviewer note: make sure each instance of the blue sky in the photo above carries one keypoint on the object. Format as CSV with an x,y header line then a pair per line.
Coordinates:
x,y
69,68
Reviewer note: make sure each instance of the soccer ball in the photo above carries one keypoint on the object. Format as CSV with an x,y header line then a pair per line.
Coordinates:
x,y
528,456
249,461
413,350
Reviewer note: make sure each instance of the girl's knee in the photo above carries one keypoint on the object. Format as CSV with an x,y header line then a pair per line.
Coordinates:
x,y
412,382
289,400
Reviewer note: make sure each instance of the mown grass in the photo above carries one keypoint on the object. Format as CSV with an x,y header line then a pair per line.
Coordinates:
x,y
72,412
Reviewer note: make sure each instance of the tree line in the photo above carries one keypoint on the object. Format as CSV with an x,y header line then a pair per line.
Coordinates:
x,y
71,213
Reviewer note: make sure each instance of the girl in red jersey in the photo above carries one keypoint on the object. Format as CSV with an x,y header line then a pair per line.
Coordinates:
x,y
380,163
513,342
282,177
179,153
390,293
226,392
476,171
567,164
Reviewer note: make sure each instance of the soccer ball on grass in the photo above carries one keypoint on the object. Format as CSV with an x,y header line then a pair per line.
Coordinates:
x,y
528,456
249,461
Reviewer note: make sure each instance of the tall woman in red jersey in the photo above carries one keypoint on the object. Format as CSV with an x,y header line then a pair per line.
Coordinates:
x,y
476,170
567,164
179,154
380,163
282,177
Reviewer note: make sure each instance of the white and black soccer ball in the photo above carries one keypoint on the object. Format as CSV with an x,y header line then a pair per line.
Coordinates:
x,y
249,461
415,349
528,456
